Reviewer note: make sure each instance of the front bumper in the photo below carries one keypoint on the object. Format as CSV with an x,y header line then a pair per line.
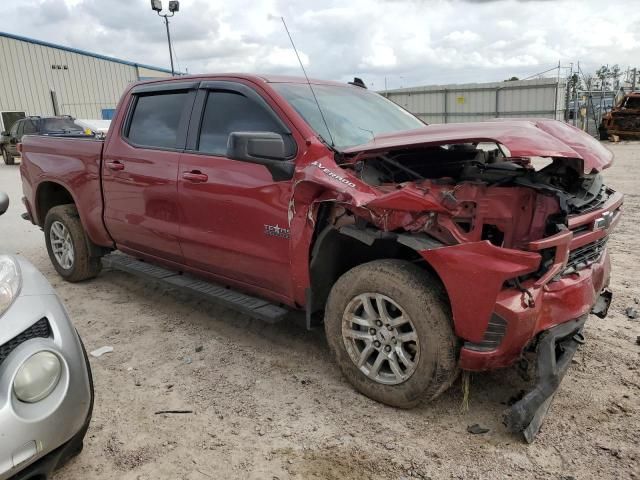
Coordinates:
x,y
555,349
31,432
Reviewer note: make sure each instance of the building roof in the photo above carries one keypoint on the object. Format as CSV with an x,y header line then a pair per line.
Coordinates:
x,y
80,52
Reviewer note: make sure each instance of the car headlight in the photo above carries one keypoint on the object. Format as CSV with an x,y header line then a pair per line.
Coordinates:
x,y
10,280
37,377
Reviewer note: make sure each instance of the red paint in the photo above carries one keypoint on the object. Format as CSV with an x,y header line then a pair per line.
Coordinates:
x,y
208,215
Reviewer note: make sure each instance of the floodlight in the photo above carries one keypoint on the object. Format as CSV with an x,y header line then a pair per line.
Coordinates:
x,y
174,6
156,5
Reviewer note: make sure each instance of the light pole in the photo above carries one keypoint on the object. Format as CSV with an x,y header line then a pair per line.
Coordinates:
x,y
174,6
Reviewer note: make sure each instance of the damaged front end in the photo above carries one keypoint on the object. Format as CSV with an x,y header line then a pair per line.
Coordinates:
x,y
513,217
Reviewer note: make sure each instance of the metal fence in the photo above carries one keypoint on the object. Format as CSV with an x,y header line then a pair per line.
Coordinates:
x,y
541,98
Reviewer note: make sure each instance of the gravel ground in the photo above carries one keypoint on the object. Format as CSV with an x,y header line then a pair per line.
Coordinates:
x,y
269,403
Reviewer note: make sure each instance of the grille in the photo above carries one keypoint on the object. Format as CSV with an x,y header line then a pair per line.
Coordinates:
x,y
584,256
40,329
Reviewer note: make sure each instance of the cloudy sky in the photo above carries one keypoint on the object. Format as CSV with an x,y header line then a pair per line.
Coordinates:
x,y
410,42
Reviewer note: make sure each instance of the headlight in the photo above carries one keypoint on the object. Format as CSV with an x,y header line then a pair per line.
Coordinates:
x,y
37,377
9,281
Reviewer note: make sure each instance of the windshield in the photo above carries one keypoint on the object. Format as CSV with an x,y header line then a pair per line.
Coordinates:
x,y
354,115
59,125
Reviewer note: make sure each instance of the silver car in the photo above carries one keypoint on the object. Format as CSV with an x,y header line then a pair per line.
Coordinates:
x,y
46,389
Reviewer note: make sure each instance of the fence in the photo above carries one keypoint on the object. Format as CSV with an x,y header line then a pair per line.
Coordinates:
x,y
541,98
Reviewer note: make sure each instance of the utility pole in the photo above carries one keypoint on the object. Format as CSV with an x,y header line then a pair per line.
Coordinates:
x,y
174,6
633,84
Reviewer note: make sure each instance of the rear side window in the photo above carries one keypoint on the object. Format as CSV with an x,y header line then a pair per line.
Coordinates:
x,y
227,112
156,118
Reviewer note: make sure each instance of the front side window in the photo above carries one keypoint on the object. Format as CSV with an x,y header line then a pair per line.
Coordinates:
x,y
14,129
227,112
353,115
156,118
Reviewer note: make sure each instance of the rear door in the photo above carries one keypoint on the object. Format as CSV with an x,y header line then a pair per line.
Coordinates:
x,y
234,214
140,170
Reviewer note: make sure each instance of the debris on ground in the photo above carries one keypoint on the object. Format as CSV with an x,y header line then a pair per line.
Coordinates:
x,y
199,348
101,351
163,412
631,313
476,429
187,360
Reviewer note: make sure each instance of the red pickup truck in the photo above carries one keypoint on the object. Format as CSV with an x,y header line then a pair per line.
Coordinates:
x,y
428,249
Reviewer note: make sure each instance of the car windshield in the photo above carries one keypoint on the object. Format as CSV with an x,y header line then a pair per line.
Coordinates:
x,y
62,125
354,115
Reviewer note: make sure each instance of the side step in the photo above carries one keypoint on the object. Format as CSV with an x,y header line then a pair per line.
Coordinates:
x,y
252,306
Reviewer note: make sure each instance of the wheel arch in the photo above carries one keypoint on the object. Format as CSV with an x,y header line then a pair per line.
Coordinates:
x,y
50,194
338,249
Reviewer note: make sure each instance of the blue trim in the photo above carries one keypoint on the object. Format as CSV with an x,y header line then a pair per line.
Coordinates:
x,y
81,52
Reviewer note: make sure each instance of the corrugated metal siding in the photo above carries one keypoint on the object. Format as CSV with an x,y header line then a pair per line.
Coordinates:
x,y
89,84
481,101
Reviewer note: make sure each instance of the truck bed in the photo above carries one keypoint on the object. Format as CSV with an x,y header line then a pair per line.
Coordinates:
x,y
73,163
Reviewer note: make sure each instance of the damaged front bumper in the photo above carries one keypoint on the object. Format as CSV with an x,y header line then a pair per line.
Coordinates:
x,y
555,349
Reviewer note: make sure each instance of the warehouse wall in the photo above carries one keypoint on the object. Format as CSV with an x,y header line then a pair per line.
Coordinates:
x,y
84,85
541,98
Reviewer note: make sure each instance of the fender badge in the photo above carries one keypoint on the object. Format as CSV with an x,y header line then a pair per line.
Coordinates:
x,y
276,231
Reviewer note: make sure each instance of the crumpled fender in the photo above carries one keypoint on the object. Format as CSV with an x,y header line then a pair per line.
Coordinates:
x,y
473,274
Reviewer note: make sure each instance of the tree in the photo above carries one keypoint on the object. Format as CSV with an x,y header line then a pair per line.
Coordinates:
x,y
512,79
575,83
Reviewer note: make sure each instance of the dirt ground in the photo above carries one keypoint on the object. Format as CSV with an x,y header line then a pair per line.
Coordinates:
x,y
268,402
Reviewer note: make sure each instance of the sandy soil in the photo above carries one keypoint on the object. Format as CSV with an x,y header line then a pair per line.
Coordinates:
x,y
268,402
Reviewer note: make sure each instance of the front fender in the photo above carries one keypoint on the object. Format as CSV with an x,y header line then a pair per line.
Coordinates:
x,y
473,274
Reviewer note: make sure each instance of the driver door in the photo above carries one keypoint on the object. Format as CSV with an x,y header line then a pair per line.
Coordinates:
x,y
234,215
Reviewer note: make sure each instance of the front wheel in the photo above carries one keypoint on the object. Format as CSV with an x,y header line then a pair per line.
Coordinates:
x,y
389,328
7,157
68,245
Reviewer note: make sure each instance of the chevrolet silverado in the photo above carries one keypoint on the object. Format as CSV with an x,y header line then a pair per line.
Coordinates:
x,y
425,249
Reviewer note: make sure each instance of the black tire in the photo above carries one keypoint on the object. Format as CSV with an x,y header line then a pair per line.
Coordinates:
x,y
83,266
7,157
421,297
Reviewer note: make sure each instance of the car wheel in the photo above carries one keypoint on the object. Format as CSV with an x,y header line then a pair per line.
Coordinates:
x,y
68,245
7,157
388,324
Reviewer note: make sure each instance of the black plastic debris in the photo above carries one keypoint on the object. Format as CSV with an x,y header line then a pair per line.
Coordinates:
x,y
476,429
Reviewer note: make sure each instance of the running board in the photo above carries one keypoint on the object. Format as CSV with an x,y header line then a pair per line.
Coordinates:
x,y
252,306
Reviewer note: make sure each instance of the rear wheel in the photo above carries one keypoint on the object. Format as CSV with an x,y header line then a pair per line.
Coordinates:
x,y
7,157
389,328
68,245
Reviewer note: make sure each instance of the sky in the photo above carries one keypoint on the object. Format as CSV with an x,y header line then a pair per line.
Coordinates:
x,y
399,43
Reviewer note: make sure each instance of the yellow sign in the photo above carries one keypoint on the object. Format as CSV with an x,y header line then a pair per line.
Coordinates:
x,y
460,100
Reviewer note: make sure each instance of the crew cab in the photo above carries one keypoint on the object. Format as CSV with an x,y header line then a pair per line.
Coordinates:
x,y
425,249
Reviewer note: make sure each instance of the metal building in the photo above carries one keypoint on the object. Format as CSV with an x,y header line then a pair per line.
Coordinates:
x,y
40,78
473,102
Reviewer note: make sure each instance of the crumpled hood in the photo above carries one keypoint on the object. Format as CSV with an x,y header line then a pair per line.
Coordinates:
x,y
523,138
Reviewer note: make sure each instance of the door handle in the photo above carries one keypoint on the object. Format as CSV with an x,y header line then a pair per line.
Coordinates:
x,y
115,165
195,176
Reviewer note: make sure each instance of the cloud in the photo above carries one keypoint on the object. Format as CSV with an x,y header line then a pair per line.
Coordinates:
x,y
402,42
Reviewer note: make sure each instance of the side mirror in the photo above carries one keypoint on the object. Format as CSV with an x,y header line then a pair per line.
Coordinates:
x,y
255,146
4,202
265,148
